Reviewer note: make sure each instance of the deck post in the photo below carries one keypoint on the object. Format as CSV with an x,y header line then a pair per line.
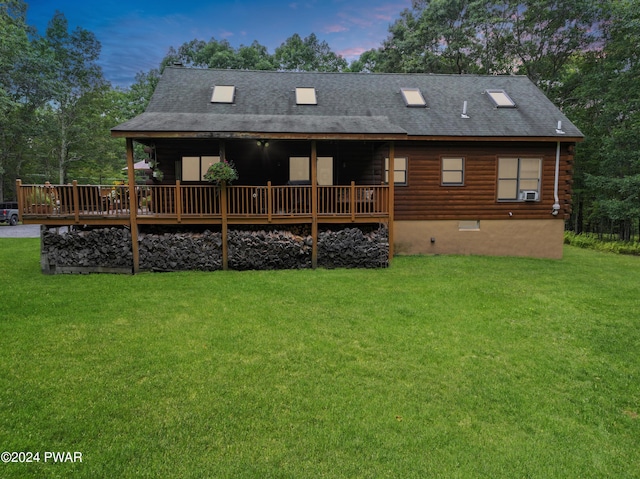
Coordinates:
x,y
76,201
314,204
352,201
223,210
21,199
133,208
392,181
178,202
269,202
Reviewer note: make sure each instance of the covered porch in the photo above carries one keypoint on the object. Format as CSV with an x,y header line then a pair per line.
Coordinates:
x,y
180,202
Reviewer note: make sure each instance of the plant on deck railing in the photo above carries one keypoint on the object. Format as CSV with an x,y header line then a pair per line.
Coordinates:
x,y
222,171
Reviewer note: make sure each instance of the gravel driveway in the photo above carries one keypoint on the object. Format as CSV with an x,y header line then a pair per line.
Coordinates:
x,y
20,231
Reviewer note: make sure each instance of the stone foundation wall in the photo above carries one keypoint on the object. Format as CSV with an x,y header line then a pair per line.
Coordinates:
x,y
354,248
180,251
106,250
109,250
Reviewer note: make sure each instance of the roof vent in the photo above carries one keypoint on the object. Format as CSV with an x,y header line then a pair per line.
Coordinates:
x,y
464,111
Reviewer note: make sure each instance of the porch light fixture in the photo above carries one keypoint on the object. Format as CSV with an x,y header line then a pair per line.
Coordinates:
x,y
263,143
223,94
413,97
501,99
306,96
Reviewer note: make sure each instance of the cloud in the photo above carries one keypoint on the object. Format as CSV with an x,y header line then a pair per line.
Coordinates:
x,y
352,53
335,28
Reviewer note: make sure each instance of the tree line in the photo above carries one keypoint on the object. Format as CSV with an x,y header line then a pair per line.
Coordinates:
x,y
56,108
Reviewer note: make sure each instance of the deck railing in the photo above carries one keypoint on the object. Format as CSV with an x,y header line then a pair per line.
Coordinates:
x,y
180,201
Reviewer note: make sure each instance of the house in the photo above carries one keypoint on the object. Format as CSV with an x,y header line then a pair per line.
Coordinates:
x,y
480,164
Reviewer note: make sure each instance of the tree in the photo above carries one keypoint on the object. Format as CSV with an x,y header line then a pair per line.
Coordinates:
x,y
601,91
26,66
534,37
309,54
220,54
76,81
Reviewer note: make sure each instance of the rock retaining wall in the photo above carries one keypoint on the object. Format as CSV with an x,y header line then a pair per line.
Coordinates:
x,y
109,250
106,250
180,251
353,248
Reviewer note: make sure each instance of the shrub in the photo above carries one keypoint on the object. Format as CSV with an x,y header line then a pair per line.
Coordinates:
x,y
591,241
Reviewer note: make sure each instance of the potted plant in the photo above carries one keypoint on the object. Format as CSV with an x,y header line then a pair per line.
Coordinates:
x,y
222,172
40,200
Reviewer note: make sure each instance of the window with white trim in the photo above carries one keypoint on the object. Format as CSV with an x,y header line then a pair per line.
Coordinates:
x,y
453,171
519,179
399,171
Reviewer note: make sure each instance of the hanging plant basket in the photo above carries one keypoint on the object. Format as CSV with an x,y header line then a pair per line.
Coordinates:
x,y
221,172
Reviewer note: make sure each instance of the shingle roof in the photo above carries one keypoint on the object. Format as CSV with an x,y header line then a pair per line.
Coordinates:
x,y
347,103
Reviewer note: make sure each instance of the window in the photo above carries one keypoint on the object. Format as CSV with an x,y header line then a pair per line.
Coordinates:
x,y
413,97
306,96
453,171
325,170
469,225
501,99
299,170
223,94
399,171
195,167
518,179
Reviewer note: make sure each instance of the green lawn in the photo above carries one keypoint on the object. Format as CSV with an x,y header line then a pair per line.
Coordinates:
x,y
443,366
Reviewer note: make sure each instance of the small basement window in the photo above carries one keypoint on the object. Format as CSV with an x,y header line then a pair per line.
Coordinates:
x,y
223,94
306,96
469,225
413,97
501,99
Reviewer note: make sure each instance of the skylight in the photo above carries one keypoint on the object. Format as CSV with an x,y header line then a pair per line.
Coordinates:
x,y
413,97
223,94
306,96
501,99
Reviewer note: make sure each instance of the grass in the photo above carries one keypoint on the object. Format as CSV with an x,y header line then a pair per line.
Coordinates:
x,y
443,366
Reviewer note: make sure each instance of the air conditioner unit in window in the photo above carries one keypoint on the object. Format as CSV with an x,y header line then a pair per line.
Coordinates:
x,y
529,195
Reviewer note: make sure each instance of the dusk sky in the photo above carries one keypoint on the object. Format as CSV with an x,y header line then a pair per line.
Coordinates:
x,y
136,34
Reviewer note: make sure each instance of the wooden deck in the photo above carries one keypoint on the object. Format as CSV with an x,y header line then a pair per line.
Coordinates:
x,y
201,204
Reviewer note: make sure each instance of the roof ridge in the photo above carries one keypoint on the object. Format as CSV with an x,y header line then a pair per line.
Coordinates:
x,y
298,72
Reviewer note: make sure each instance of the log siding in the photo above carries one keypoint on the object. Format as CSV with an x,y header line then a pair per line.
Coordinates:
x,y
426,198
